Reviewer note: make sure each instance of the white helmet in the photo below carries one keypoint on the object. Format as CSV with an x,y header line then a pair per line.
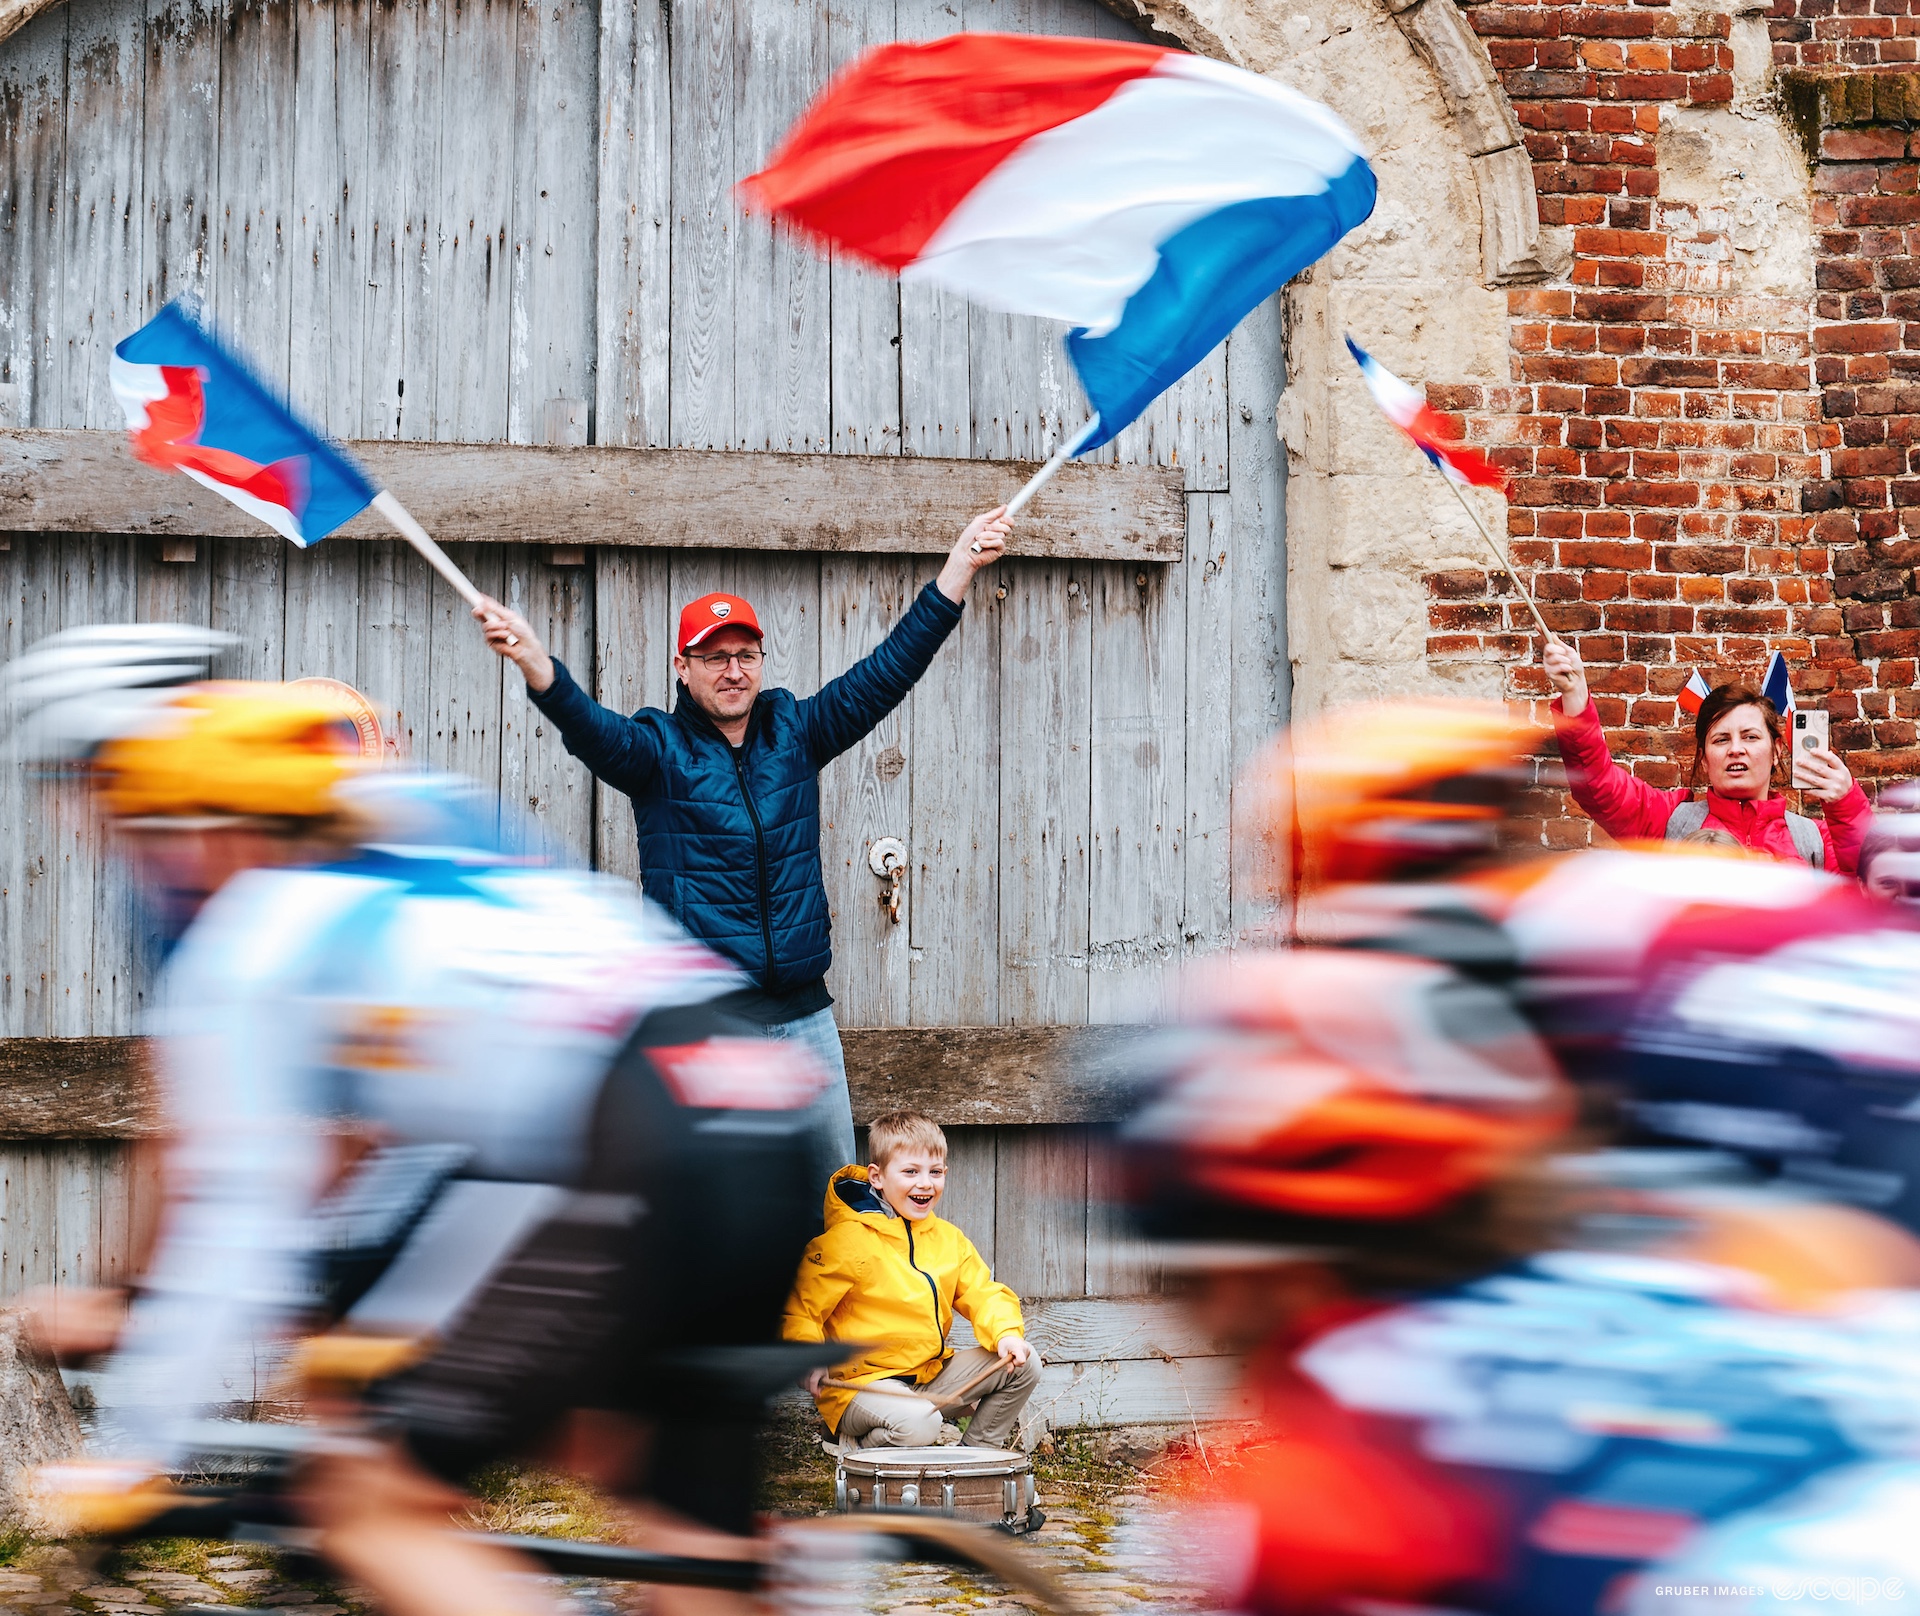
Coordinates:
x,y
84,686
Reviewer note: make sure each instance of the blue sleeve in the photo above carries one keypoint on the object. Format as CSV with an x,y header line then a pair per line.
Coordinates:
x,y
847,708
621,751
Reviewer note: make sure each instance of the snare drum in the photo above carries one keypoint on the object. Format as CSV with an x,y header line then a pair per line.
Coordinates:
x,y
991,1485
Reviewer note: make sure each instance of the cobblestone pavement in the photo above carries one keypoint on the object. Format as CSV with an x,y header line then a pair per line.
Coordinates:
x,y
1119,1557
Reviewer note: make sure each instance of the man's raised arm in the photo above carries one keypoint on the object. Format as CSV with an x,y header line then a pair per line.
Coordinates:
x,y
847,708
618,749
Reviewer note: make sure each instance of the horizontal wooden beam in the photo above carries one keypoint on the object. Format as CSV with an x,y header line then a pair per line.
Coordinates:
x,y
96,1088
75,1088
89,482
960,1075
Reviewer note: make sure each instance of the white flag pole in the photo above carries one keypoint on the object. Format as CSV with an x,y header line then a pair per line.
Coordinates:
x,y
1044,475
400,519
1506,566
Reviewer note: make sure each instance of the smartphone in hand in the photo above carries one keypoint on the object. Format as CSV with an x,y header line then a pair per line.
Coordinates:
x,y
1809,735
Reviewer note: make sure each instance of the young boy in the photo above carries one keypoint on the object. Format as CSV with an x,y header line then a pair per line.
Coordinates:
x,y
890,1274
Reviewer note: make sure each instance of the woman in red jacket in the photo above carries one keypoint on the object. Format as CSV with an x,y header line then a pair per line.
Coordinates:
x,y
1740,746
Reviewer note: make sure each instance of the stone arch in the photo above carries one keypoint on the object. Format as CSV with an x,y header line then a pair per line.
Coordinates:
x,y
1422,284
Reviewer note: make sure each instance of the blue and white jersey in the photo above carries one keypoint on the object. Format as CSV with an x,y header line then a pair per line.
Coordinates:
x,y
1635,1417
417,995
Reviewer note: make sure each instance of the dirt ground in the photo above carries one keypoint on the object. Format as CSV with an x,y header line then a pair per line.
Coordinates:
x,y
1110,1537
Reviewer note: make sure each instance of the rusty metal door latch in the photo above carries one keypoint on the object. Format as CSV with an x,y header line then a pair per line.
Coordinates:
x,y
887,858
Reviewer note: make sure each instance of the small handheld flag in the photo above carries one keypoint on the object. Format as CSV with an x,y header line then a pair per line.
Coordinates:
x,y
1407,409
1147,197
193,407
1778,688
1462,467
1695,693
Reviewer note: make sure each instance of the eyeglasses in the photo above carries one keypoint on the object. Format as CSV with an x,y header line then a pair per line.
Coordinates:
x,y
716,661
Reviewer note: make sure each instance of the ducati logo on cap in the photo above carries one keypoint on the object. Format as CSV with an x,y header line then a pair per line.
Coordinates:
x,y
722,608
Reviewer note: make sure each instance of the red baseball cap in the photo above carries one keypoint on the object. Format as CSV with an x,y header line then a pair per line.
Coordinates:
x,y
714,612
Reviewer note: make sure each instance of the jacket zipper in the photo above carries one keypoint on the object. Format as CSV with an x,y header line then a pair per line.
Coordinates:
x,y
932,1288
760,865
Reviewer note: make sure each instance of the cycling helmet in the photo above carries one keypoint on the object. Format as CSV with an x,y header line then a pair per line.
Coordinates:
x,y
1325,1094
249,749
80,688
1393,791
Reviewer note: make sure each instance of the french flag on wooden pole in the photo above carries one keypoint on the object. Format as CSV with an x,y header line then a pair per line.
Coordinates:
x,y
1696,692
1406,407
194,408
1148,198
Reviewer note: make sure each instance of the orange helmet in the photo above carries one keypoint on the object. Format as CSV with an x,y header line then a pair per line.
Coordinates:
x,y
1331,1088
1390,790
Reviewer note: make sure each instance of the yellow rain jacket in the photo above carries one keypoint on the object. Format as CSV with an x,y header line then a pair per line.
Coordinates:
x,y
895,1284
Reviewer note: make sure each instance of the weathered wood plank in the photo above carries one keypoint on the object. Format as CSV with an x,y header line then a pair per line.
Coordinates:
x,y
28,917
33,131
701,337
464,677
325,612
865,795
554,245
472,278
75,1088
1139,777
953,885
508,493
972,1184
252,279
100,300
989,1074
1257,499
181,149
328,265
1046,704
1040,1221
88,1088
90,903
633,625
1105,1329
401,183
397,592
541,787
782,370
1139,1392
633,279
1207,864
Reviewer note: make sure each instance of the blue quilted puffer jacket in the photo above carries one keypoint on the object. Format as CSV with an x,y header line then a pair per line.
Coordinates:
x,y
730,841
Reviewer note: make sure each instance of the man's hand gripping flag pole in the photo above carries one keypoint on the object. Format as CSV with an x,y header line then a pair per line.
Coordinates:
x,y
192,407
1460,466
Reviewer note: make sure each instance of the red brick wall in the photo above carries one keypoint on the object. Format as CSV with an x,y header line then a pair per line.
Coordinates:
x,y
1702,477
1843,33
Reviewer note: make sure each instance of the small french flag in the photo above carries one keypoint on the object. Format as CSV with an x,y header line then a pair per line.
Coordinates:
x,y
1695,693
1407,409
1778,688
193,407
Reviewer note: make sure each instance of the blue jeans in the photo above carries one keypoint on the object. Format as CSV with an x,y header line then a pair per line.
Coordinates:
x,y
830,1135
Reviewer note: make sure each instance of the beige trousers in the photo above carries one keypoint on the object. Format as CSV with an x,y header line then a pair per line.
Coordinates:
x,y
880,1420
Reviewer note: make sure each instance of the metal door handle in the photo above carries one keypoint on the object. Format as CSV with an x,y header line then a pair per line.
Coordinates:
x,y
887,858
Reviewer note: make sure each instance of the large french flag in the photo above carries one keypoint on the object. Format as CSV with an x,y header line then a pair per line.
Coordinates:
x,y
192,407
1148,198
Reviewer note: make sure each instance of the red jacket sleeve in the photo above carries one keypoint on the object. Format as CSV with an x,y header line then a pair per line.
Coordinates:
x,y
1626,808
1845,828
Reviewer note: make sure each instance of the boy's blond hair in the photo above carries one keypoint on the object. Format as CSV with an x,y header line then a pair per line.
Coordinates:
x,y
896,1131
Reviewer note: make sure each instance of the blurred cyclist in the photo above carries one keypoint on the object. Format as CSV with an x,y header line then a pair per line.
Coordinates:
x,y
471,1109
1474,1397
